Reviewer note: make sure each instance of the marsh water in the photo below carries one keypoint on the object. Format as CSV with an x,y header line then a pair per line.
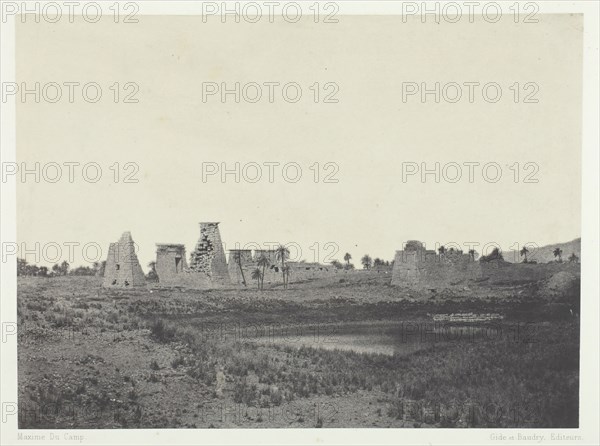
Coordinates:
x,y
381,337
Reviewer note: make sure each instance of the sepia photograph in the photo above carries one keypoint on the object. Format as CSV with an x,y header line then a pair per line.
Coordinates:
x,y
299,222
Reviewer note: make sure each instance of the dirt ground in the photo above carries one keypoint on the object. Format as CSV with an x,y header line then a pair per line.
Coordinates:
x,y
90,357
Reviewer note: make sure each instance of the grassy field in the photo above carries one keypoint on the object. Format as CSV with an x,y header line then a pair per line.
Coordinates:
x,y
96,358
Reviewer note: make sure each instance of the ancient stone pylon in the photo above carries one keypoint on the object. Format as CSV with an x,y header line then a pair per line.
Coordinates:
x,y
170,263
122,266
208,257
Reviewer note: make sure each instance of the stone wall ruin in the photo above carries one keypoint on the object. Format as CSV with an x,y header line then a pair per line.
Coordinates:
x,y
122,266
207,267
418,268
170,263
244,258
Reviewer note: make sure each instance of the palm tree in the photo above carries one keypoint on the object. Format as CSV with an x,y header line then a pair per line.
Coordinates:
x,y
263,262
282,254
366,261
286,275
347,258
152,274
237,257
573,258
558,253
257,275
524,252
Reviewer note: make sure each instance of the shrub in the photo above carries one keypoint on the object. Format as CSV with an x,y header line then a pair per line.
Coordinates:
x,y
161,332
494,255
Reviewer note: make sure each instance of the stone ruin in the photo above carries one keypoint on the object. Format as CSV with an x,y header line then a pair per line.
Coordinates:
x,y
170,263
122,266
268,253
249,263
208,257
298,270
243,258
418,268
273,271
207,267
310,270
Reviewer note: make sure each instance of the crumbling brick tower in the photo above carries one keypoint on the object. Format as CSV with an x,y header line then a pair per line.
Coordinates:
x,y
122,266
208,257
170,263
243,256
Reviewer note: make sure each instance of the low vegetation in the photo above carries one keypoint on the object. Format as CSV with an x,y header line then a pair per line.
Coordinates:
x,y
157,358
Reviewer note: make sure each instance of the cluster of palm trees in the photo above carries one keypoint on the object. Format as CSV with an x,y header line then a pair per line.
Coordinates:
x,y
573,258
282,254
367,262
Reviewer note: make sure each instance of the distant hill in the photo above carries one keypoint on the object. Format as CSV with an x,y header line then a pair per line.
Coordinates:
x,y
544,254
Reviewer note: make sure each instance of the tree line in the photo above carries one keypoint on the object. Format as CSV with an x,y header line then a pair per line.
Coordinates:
x,y
25,268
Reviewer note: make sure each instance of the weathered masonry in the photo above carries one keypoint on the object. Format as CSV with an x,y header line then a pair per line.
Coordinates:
x,y
170,262
208,257
240,265
418,268
122,266
207,267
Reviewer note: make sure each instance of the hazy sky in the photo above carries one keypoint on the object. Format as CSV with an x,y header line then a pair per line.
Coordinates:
x,y
369,133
